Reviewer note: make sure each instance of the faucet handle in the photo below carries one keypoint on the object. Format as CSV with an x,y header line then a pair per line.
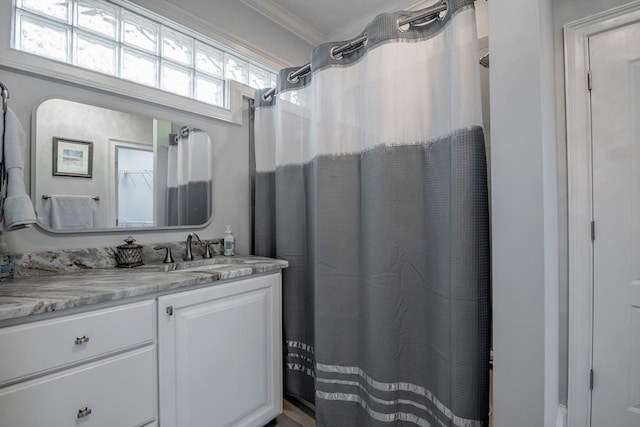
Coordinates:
x,y
207,250
167,256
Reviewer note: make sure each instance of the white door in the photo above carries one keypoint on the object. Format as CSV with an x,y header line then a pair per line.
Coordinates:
x,y
615,101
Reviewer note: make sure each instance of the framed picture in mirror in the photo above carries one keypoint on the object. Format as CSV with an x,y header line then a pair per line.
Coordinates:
x,y
72,157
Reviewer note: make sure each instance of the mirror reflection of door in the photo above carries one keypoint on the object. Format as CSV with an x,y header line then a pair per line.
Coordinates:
x,y
134,186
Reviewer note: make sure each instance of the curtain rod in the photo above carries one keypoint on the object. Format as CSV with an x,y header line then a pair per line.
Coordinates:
x,y
432,12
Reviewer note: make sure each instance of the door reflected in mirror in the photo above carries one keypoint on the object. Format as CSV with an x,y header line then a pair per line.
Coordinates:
x,y
146,173
134,186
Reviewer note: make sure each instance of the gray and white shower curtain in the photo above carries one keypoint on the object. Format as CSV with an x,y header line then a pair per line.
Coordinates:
x,y
189,182
371,182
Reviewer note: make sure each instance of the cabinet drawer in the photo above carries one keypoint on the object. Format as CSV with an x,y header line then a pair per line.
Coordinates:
x,y
118,391
41,346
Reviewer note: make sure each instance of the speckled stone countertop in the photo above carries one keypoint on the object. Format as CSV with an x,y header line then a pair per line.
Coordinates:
x,y
60,289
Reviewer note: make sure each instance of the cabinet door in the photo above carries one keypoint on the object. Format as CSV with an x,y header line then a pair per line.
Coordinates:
x,y
220,354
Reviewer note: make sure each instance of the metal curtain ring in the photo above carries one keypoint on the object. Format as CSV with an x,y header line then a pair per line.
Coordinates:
x,y
403,28
404,22
439,17
337,52
445,12
293,79
333,54
268,95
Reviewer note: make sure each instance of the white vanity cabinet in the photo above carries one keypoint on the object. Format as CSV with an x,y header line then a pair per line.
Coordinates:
x,y
207,357
92,369
220,354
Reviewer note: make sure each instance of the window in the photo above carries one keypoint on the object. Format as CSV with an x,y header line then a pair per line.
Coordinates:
x,y
119,39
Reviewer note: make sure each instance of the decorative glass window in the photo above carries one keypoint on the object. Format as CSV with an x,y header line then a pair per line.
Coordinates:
x,y
117,38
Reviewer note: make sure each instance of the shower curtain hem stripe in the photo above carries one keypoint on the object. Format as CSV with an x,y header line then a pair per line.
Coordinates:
x,y
397,386
373,398
391,417
300,345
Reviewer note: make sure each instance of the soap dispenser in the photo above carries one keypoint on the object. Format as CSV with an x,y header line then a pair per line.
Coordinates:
x,y
229,242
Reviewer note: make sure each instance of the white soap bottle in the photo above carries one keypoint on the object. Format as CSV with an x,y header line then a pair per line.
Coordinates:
x,y
229,242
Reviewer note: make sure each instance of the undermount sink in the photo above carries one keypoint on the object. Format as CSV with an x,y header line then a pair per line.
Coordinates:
x,y
208,267
196,265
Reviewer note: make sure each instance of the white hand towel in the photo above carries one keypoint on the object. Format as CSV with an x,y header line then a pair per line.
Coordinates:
x,y
72,212
18,209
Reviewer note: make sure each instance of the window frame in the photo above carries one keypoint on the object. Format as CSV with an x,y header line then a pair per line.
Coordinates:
x,y
197,29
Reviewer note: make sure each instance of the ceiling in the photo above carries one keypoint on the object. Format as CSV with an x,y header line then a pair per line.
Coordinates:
x,y
318,22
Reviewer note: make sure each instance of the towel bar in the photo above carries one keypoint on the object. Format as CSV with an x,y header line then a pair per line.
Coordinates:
x,y
46,196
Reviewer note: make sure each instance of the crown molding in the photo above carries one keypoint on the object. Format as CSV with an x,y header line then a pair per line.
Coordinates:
x,y
287,20
311,35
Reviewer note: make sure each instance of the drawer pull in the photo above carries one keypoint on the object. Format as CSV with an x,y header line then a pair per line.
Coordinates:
x,y
81,340
84,412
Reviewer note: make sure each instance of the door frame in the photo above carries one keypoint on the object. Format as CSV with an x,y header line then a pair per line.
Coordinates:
x,y
579,181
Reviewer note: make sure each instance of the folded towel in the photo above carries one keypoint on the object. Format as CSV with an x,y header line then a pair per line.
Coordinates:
x,y
18,209
72,212
18,212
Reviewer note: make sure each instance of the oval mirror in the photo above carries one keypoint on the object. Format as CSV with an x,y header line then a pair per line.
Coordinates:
x,y
98,169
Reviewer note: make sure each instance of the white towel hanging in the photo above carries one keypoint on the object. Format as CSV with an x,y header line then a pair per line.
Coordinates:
x,y
17,207
72,212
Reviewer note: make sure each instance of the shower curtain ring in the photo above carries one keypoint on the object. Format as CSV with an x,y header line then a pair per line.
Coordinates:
x,y
437,12
335,55
292,78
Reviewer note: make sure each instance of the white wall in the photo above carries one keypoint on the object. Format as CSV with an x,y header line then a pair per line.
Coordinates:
x,y
524,214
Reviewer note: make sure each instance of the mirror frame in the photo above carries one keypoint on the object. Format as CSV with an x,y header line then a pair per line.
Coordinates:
x,y
34,194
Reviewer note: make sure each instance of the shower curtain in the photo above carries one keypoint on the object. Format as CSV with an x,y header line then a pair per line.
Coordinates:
x,y
189,180
371,182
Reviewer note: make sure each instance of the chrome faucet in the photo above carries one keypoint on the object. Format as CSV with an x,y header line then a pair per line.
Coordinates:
x,y
189,254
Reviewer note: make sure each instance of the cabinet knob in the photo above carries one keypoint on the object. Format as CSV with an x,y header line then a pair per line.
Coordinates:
x,y
81,340
84,412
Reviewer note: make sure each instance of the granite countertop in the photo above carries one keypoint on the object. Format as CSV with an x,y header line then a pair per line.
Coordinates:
x,y
27,296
